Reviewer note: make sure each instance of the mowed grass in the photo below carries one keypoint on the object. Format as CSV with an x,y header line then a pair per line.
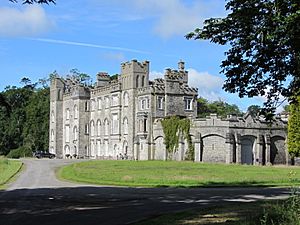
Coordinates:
x,y
8,168
178,174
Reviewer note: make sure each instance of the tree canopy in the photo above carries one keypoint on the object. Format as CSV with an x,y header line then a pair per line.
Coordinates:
x,y
264,54
294,129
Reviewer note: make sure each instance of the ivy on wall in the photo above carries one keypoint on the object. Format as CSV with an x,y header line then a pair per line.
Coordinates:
x,y
173,127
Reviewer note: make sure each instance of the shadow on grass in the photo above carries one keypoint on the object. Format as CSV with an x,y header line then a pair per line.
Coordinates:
x,y
114,205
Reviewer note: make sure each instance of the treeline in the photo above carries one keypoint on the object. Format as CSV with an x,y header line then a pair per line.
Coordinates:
x,y
24,118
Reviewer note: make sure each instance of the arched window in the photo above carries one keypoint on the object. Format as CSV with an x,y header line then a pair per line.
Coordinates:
x,y
125,125
92,128
67,114
143,81
137,82
52,117
75,112
67,150
126,99
106,127
98,128
52,135
75,131
67,133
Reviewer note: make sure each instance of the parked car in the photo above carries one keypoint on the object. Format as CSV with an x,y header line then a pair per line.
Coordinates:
x,y
43,154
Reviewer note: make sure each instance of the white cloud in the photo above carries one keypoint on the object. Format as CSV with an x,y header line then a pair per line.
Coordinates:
x,y
30,21
209,86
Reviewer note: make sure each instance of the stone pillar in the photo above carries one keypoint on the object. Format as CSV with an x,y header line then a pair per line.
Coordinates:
x,y
229,147
152,151
259,150
268,149
238,149
136,149
198,148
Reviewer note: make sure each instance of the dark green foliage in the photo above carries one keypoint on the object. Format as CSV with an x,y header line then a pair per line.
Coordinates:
x,y
219,107
294,129
254,110
19,153
264,54
173,128
24,116
114,77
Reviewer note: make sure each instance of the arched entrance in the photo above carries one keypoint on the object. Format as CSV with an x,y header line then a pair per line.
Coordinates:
x,y
247,151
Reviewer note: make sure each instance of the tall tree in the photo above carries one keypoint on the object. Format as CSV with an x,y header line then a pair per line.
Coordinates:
x,y
294,129
254,110
264,54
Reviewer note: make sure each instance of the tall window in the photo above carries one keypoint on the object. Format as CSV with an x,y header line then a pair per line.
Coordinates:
x,y
86,128
137,82
126,99
86,106
93,105
75,111
67,114
92,128
99,103
52,135
106,102
143,81
75,133
125,125
188,103
67,133
106,127
52,117
98,128
115,124
160,102
115,100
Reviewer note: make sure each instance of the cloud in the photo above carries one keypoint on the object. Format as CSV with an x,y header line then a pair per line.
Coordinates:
x,y
209,86
30,21
82,44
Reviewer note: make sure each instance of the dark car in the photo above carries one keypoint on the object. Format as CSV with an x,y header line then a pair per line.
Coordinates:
x,y
43,154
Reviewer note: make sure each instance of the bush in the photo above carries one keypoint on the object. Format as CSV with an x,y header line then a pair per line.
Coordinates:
x,y
19,152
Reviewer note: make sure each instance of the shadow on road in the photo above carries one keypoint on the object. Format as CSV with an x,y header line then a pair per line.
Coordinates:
x,y
113,205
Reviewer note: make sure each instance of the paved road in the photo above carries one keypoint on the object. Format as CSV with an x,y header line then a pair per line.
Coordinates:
x,y
37,197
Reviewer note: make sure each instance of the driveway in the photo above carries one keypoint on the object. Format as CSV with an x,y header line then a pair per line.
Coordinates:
x,y
37,197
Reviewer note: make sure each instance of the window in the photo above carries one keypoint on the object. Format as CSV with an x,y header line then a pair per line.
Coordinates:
x,y
52,135
144,103
125,125
86,106
115,124
67,114
75,133
115,100
126,99
137,82
67,135
106,127
86,129
92,128
143,81
188,104
160,102
75,111
99,103
52,117
106,102
98,128
93,105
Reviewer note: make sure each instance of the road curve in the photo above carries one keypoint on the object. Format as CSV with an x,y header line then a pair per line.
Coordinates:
x,y
37,197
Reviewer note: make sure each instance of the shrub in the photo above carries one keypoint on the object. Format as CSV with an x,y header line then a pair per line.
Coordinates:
x,y
19,152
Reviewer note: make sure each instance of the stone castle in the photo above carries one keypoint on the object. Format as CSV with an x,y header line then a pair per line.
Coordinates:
x,y
121,118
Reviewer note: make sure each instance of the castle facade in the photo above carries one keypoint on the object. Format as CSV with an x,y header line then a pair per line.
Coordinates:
x,y
121,119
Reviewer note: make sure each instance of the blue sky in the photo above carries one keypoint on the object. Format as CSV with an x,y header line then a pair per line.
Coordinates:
x,y
95,35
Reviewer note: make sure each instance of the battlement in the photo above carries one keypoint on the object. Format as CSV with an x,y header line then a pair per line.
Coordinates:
x,y
135,66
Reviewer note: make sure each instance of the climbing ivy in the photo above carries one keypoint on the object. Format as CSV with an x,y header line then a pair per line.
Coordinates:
x,y
173,127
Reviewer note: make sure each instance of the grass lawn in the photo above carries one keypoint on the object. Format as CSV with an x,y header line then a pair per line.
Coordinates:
x,y
178,174
8,168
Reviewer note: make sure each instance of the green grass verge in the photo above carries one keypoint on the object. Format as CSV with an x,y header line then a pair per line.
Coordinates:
x,y
8,169
255,213
177,174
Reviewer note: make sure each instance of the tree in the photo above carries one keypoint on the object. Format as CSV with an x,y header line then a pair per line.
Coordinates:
x,y
264,58
34,1
294,129
254,110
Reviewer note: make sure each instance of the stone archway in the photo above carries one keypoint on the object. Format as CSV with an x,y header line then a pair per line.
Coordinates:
x,y
247,150
278,150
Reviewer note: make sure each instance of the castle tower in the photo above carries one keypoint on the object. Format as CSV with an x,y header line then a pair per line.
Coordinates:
x,y
134,74
56,117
